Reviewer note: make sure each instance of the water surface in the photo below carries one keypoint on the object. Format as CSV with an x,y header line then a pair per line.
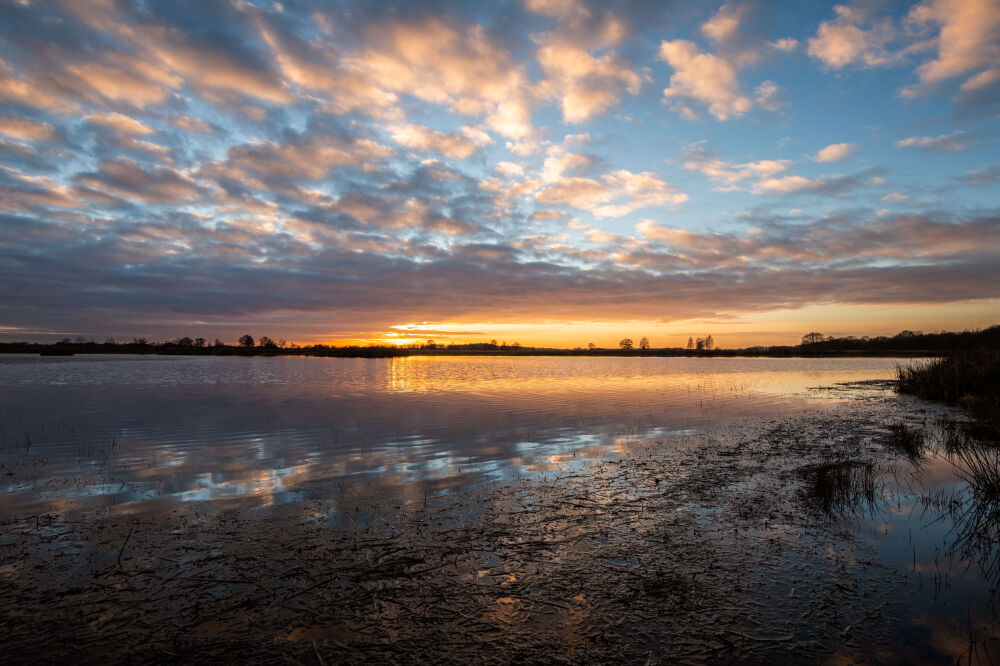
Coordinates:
x,y
126,430
670,504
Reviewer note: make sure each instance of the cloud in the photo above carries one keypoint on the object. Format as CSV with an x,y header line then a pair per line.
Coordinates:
x,y
301,158
987,175
698,158
603,198
582,193
835,152
828,240
120,123
786,44
768,96
423,139
600,236
461,66
581,66
130,180
318,68
854,37
509,169
704,77
826,185
585,84
724,26
968,42
713,78
965,34
230,163
943,142
25,129
189,124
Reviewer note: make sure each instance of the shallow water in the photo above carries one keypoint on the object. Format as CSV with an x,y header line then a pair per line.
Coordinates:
x,y
587,509
120,430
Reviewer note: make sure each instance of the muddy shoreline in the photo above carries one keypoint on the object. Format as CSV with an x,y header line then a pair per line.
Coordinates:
x,y
710,547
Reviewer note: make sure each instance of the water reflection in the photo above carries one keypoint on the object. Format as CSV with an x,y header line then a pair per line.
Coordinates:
x,y
123,430
932,514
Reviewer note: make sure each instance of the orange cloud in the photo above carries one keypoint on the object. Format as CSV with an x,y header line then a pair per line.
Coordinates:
x,y
25,129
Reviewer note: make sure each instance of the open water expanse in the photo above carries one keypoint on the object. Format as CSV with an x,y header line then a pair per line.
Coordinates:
x,y
496,508
257,431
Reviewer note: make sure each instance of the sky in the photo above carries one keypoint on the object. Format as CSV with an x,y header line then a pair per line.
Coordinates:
x,y
552,173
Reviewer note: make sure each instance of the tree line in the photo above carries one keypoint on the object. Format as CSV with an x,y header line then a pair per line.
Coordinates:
x,y
813,344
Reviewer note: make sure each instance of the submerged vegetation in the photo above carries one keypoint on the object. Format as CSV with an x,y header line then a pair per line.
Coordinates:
x,y
906,439
843,486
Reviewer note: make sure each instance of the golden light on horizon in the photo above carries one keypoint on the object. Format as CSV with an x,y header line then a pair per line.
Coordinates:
x,y
779,327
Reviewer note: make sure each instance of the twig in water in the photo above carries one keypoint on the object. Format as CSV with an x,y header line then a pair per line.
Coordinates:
x,y
122,549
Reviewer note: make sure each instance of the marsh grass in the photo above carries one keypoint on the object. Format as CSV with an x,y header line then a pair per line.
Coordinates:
x,y
907,440
979,465
969,379
844,486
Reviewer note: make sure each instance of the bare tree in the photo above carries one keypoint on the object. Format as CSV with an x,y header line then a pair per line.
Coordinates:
x,y
644,343
625,343
699,344
812,338
690,343
591,346
709,342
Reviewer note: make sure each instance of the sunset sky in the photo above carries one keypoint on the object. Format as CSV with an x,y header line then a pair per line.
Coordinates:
x,y
549,172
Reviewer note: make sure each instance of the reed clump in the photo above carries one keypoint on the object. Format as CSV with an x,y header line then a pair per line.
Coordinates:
x,y
969,379
844,486
907,440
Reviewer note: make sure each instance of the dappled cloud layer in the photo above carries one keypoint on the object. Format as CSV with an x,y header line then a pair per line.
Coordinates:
x,y
331,172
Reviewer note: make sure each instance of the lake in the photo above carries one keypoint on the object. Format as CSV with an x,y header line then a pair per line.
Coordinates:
x,y
451,508
258,431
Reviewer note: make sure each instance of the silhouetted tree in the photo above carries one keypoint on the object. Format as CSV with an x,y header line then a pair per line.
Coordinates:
x,y
246,340
625,343
644,343
699,344
591,346
709,342
184,342
219,343
199,342
690,343
812,338
267,343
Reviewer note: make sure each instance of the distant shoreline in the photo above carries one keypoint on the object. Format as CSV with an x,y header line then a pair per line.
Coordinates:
x,y
906,344
380,352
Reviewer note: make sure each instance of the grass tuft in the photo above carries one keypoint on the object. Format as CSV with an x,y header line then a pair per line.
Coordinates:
x,y
907,440
844,486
